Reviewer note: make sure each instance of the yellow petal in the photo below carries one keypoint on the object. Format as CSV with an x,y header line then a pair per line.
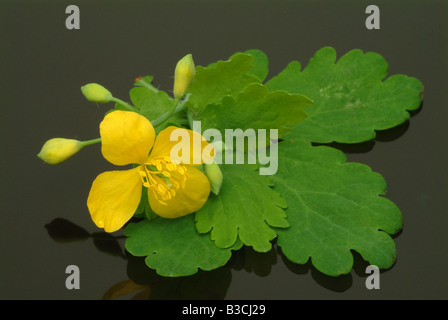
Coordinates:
x,y
186,200
186,146
126,137
114,197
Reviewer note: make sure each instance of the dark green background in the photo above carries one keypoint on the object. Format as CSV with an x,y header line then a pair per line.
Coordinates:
x,y
43,66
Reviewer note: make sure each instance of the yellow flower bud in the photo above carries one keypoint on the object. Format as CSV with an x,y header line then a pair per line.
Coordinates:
x,y
183,75
214,175
57,150
96,93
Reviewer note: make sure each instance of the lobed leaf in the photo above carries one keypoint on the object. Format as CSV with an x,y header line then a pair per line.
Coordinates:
x,y
173,247
223,78
350,99
260,64
255,108
247,209
333,207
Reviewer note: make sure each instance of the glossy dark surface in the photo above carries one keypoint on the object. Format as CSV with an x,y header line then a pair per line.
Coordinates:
x,y
43,66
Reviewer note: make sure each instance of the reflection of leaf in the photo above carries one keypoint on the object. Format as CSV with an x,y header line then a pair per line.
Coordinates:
x,y
61,230
260,263
246,208
333,207
204,285
350,99
107,243
173,247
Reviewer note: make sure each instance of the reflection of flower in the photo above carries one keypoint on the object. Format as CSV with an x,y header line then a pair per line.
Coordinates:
x,y
126,287
174,189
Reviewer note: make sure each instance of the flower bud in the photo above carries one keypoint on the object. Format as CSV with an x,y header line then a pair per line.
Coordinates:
x,y
96,93
183,75
57,150
214,175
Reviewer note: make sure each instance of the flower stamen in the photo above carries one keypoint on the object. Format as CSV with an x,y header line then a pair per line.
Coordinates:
x,y
163,178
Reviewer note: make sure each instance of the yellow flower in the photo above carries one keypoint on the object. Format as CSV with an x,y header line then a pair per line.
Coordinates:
x,y
174,189
183,75
57,150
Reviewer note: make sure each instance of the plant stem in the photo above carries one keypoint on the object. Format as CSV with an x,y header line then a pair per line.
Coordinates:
x,y
90,142
190,119
164,117
126,105
147,85
177,107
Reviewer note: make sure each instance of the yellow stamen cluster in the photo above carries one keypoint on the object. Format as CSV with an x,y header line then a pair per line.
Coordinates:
x,y
163,178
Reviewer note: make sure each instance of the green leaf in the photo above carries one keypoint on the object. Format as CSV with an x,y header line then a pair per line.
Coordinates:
x,y
173,247
260,63
246,208
152,104
350,99
255,108
144,209
220,79
333,207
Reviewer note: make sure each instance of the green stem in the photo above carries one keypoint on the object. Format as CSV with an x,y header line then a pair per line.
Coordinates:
x,y
147,85
190,118
126,105
90,142
177,107
157,122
